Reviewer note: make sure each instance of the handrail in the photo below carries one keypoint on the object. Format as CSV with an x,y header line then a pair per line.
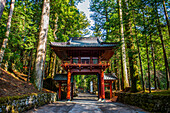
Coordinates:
x,y
85,64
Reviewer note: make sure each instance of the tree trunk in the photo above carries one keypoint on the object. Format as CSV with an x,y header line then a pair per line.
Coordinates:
x,y
126,80
106,14
25,62
41,49
118,72
153,61
147,53
132,61
149,81
49,63
2,6
43,72
163,47
116,68
166,15
131,49
55,26
158,81
5,41
141,69
32,78
121,81
139,55
30,62
54,64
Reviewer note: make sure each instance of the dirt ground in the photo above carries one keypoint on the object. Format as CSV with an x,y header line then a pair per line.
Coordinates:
x,y
10,85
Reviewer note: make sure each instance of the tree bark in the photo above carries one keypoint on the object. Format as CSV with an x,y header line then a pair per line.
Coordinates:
x,y
121,81
106,14
30,62
55,26
139,55
149,81
2,6
166,15
126,80
153,61
116,68
49,63
41,49
25,61
141,69
54,65
5,41
118,72
163,47
158,81
147,53
130,46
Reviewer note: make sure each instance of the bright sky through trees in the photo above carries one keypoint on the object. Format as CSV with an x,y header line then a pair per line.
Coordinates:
x,y
85,7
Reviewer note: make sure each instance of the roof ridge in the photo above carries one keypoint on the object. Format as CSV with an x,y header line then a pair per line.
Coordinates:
x,y
82,38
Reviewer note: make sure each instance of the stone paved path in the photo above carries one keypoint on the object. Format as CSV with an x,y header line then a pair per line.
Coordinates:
x,y
86,103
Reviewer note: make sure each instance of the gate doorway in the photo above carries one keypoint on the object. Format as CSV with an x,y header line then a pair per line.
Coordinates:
x,y
84,56
85,84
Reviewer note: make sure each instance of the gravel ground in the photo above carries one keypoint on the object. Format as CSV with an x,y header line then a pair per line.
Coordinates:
x,y
86,103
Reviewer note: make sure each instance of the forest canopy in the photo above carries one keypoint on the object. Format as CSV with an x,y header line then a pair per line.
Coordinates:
x,y
141,26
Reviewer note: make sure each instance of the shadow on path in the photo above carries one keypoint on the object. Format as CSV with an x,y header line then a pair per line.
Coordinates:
x,y
86,103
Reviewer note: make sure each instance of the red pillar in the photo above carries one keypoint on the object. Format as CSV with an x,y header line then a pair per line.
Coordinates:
x,y
100,95
59,91
68,84
102,85
110,89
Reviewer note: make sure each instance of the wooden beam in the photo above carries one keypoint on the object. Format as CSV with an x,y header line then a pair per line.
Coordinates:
x,y
106,85
85,70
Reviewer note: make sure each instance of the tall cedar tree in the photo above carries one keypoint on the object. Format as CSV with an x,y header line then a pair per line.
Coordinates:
x,y
130,46
163,47
126,80
166,15
2,6
5,41
41,49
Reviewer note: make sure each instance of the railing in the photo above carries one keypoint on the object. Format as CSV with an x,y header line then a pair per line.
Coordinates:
x,y
85,64
80,63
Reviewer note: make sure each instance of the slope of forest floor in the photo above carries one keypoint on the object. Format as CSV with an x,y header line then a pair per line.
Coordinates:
x,y
10,85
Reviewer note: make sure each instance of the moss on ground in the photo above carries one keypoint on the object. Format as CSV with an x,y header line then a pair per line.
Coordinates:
x,y
161,92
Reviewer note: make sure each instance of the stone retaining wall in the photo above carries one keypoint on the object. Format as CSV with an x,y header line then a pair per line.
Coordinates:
x,y
152,103
25,102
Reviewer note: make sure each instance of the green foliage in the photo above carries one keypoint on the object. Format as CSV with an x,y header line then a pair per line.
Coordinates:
x,y
66,21
24,31
83,81
107,25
